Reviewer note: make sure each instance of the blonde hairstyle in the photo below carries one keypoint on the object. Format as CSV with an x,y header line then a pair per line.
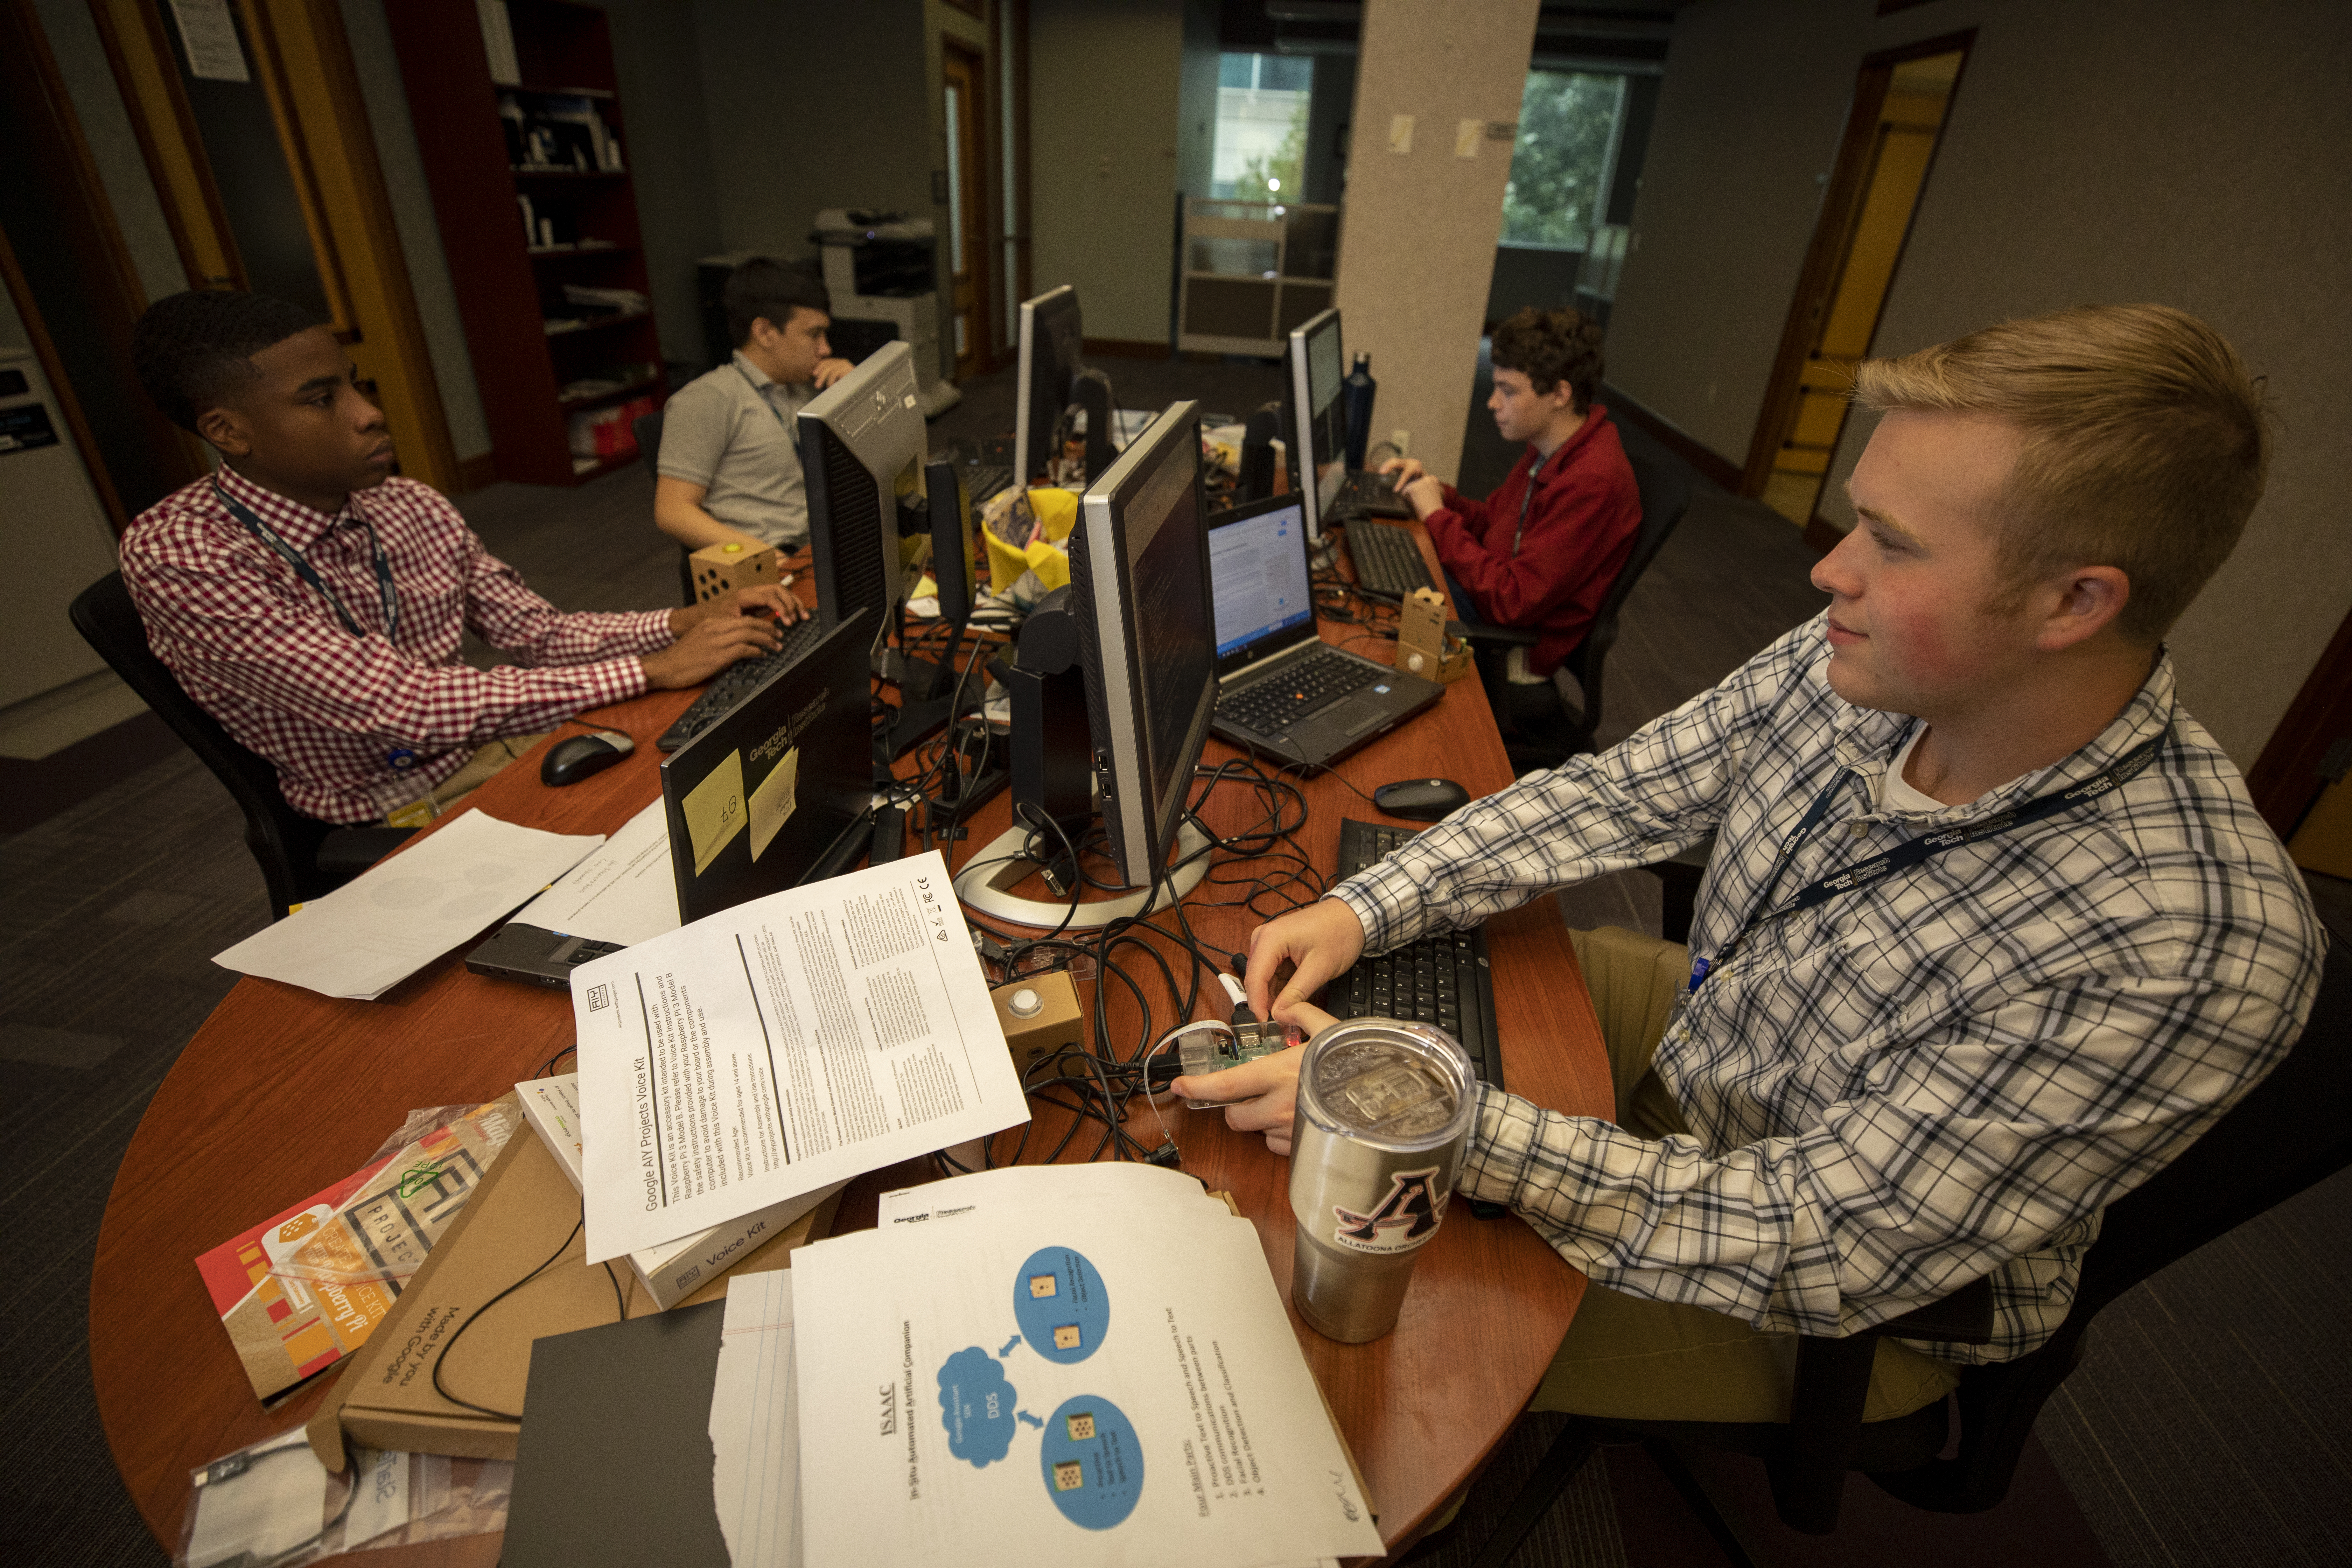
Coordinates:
x,y
2145,445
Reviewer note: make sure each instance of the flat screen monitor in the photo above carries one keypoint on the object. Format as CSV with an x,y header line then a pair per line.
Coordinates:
x,y
862,449
1140,593
1318,414
757,802
1050,335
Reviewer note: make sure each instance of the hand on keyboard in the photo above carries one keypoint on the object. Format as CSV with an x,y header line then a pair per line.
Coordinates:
x,y
708,646
1401,471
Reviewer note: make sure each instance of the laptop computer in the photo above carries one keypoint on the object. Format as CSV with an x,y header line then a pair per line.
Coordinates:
x,y
1281,688
776,793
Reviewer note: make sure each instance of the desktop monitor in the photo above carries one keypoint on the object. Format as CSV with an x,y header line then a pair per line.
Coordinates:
x,y
775,792
1050,364
1140,593
1317,372
955,562
862,448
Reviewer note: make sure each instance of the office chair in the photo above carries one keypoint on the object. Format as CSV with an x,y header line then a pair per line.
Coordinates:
x,y
2289,1133
300,857
1543,730
647,429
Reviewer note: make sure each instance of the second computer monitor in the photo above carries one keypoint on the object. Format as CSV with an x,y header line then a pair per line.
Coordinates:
x,y
1050,337
862,448
1139,591
1316,370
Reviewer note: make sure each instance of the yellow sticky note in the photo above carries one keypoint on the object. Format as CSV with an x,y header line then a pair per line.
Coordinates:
x,y
773,802
714,811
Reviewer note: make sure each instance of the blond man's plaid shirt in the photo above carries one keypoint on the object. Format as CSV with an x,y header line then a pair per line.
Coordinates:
x,y
1942,1075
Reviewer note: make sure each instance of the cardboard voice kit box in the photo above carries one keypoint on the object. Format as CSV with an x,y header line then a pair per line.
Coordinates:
x,y
384,1396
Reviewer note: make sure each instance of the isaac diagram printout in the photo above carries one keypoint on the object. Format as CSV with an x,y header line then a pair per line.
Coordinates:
x,y
782,1046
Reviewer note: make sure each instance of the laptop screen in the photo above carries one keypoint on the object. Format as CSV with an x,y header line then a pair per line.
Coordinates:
x,y
1258,581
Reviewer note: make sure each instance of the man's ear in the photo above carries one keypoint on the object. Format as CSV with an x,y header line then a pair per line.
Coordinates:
x,y
2080,604
763,334
225,429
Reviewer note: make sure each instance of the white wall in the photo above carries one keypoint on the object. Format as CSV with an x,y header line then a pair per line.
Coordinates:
x,y
2101,151
657,55
1103,101
114,145
1417,237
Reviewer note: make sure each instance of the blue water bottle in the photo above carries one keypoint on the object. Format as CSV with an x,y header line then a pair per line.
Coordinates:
x,y
1359,387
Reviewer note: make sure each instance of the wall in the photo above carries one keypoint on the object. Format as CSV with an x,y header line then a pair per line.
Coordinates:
x,y
114,145
1417,239
420,232
1196,98
657,52
2094,152
1104,98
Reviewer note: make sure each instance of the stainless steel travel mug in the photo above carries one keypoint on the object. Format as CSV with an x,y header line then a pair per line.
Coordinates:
x,y
1384,1113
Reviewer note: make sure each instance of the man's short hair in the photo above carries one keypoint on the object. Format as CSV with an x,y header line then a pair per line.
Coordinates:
x,y
763,288
1548,347
193,349
2147,441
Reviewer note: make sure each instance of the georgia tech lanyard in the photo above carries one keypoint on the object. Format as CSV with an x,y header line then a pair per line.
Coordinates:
x,y
1878,867
760,393
385,592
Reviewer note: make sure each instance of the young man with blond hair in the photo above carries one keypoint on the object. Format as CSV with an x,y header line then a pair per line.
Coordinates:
x,y
1990,932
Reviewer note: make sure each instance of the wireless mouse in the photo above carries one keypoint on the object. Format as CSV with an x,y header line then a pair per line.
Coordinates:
x,y
1421,800
581,756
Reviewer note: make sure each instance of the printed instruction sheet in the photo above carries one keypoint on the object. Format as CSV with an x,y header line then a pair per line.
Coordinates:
x,y
782,1046
626,892
1080,1377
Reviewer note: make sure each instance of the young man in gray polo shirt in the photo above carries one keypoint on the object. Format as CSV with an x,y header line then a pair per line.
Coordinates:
x,y
728,470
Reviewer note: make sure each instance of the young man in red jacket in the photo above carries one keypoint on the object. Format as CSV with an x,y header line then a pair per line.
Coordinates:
x,y
1542,551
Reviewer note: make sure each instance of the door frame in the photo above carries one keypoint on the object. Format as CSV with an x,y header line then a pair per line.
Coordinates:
x,y
1833,234
973,61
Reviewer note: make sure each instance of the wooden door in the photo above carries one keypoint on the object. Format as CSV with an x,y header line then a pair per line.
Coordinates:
x,y
249,117
1899,106
967,207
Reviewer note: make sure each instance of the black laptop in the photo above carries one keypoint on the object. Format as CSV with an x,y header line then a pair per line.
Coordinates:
x,y
1281,688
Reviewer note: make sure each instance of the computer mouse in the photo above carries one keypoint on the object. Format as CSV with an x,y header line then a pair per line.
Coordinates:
x,y
1421,800
583,756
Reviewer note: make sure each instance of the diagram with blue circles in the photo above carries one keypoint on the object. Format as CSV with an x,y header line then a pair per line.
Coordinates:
x,y
1088,1456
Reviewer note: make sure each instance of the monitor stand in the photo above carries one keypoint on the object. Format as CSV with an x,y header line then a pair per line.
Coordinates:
x,y
1004,862
926,691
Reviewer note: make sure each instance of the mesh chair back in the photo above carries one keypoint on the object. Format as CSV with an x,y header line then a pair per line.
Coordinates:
x,y
283,842
1664,491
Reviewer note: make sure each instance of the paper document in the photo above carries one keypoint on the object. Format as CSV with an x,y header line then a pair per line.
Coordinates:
x,y
398,916
623,893
755,1425
782,1046
1098,1374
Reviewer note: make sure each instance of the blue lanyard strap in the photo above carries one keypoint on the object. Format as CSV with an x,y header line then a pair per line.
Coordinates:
x,y
773,412
386,592
1535,472
1878,867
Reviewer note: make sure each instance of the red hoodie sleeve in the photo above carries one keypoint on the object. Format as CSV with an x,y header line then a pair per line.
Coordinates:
x,y
1573,530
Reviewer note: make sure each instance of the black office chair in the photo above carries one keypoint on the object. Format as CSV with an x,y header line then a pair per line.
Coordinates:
x,y
647,429
300,857
1540,728
2288,1134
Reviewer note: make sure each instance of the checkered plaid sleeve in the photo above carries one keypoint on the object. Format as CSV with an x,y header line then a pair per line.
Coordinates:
x,y
239,629
503,612
1643,801
2002,1135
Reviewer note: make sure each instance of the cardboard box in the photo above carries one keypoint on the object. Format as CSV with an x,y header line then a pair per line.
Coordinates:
x,y
723,568
525,1207
1422,647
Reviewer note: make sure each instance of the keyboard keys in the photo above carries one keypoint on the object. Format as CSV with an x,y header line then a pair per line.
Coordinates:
x,y
1387,561
738,680
1281,697
1444,979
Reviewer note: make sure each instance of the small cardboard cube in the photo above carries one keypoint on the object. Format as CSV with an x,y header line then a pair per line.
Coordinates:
x,y
1081,1425
1066,1336
1422,647
723,568
1069,1476
1041,1285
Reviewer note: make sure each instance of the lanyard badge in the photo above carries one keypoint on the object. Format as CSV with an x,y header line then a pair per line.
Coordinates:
x,y
387,594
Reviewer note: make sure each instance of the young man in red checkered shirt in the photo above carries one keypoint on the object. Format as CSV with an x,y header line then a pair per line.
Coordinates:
x,y
314,604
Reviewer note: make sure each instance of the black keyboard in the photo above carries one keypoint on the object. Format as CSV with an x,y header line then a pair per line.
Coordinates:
x,y
1387,561
738,680
1444,979
1280,698
1362,494
983,481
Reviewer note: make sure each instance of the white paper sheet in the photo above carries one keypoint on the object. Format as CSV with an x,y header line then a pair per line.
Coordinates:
x,y
755,1424
1125,1183
1063,1383
624,892
775,1048
398,916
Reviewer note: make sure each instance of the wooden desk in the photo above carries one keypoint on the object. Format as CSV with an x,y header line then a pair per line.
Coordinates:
x,y
283,1091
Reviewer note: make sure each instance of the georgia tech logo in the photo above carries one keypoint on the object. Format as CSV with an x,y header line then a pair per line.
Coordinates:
x,y
1402,1221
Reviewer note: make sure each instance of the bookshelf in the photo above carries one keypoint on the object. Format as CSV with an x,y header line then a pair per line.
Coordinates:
x,y
540,148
